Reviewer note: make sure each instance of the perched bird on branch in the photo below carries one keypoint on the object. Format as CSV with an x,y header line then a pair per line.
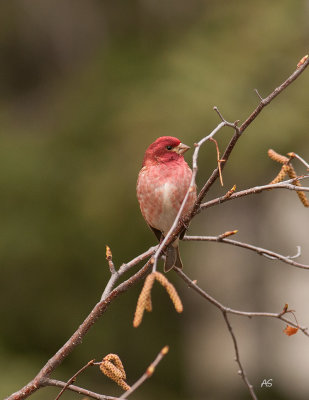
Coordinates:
x,y
162,185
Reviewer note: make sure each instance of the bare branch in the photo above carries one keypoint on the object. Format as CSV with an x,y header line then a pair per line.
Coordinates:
x,y
177,227
294,155
263,252
77,389
77,336
264,102
242,128
73,378
241,371
124,268
148,373
223,308
257,189
42,378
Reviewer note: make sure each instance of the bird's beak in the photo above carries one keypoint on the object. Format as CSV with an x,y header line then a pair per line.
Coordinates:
x,y
181,148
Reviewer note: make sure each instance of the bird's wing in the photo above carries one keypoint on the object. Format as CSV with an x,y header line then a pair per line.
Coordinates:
x,y
156,232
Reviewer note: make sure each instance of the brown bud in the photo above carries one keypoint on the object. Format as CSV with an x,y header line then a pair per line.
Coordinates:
x,y
108,253
302,61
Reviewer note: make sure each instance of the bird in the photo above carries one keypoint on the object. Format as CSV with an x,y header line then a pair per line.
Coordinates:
x,y
161,187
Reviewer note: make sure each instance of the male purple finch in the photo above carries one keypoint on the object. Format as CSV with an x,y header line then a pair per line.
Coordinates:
x,y
162,185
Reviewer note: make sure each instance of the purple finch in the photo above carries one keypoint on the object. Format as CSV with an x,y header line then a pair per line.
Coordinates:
x,y
162,185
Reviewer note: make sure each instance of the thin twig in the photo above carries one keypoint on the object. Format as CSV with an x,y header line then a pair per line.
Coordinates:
x,y
263,252
192,284
294,155
264,102
219,161
241,370
124,268
148,373
77,389
73,378
78,335
225,310
298,254
257,189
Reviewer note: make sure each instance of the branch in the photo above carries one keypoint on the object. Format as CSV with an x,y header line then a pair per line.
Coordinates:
x,y
257,189
73,378
178,226
115,275
244,126
229,310
68,385
147,374
78,335
225,310
241,371
263,252
110,294
294,155
76,389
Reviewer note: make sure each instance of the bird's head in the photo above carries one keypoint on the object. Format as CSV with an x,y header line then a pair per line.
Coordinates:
x,y
164,149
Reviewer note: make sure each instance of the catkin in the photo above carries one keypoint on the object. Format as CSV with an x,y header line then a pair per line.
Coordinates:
x,y
114,358
277,157
282,174
170,290
144,300
112,367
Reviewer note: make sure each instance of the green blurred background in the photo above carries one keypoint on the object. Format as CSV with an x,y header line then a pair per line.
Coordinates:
x,y
86,86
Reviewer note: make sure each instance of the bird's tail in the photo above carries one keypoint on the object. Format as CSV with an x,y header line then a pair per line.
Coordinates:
x,y
172,257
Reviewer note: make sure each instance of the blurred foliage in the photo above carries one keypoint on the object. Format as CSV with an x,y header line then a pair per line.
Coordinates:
x,y
85,87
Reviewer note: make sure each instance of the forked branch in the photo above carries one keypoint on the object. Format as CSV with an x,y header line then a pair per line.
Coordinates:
x,y
110,293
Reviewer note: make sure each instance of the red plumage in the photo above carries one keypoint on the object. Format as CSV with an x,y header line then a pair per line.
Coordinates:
x,y
161,187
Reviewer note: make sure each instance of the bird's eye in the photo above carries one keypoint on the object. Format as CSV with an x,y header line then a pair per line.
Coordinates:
x,y
169,147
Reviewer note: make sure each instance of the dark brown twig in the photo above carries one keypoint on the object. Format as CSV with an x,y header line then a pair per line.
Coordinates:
x,y
73,378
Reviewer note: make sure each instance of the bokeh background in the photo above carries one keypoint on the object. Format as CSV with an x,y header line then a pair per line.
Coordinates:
x,y
86,86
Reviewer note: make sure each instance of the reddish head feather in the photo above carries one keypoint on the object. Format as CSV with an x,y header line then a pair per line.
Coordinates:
x,y
159,152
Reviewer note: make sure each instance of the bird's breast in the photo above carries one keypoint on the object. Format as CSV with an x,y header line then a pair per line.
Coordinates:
x,y
161,190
